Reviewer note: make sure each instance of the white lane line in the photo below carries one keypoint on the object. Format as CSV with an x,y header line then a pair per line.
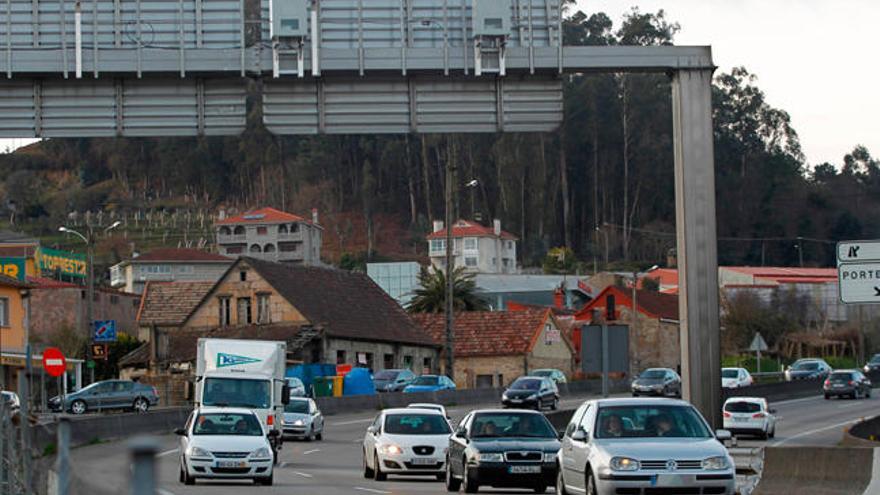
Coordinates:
x,y
167,452
795,401
162,491
353,422
311,451
285,464
304,475
813,432
371,490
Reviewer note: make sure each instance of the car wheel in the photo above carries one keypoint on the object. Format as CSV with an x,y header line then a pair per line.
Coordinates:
x,y
78,407
378,475
827,397
320,436
141,405
773,432
868,393
560,483
591,483
441,476
266,481
185,477
311,436
470,484
540,489
452,483
368,473
554,405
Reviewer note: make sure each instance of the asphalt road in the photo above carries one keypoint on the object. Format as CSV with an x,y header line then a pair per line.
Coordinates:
x,y
333,466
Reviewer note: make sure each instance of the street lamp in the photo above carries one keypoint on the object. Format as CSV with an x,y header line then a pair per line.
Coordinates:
x,y
89,239
450,333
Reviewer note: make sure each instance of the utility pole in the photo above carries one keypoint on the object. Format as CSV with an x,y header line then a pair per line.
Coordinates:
x,y
450,332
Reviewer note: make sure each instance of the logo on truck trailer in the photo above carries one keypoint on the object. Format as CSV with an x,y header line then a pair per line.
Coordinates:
x,y
224,360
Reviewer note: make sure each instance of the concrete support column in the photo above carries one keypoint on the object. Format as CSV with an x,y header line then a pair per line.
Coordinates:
x,y
697,241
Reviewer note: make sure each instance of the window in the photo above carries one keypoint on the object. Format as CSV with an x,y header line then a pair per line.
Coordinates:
x,y
470,243
242,276
244,311
340,357
426,365
509,244
365,360
262,230
256,248
287,247
282,229
4,312
234,250
225,231
484,381
438,244
225,311
470,262
263,315
388,361
407,362
269,248
294,227
500,380
239,230
185,269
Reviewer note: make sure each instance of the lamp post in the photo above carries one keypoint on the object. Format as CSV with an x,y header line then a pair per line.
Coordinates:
x,y
90,284
450,268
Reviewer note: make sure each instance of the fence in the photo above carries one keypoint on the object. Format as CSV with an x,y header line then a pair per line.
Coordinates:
x,y
16,451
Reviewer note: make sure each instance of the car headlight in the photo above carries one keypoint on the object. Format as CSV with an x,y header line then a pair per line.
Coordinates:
x,y
532,397
298,422
549,456
493,457
717,463
261,453
624,464
198,452
390,449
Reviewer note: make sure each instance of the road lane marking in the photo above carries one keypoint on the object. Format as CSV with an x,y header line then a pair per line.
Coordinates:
x,y
285,464
353,422
162,491
813,432
304,475
167,452
371,490
311,451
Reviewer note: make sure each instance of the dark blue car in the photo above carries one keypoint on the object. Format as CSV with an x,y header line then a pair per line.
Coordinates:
x,y
430,383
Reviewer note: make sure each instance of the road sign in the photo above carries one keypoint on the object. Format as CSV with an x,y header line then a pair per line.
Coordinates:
x,y
859,282
105,330
90,365
758,344
858,251
100,351
54,362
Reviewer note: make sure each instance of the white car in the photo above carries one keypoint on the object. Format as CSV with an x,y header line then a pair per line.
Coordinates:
x,y
225,443
406,441
749,416
614,446
426,405
735,378
303,419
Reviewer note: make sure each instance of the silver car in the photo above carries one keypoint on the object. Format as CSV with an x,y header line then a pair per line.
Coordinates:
x,y
303,419
614,446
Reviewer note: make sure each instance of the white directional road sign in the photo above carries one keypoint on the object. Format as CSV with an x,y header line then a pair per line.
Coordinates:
x,y
857,251
859,282
758,344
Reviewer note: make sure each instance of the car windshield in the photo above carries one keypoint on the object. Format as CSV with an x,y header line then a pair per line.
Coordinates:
x,y
386,375
840,377
511,424
425,406
729,373
808,366
649,421
876,358
526,384
542,373
653,374
227,424
233,392
742,407
426,380
416,424
297,406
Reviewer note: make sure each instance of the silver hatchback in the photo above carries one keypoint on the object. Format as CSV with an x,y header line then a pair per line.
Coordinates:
x,y
617,446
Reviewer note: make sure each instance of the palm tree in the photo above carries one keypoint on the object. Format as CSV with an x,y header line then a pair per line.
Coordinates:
x,y
431,296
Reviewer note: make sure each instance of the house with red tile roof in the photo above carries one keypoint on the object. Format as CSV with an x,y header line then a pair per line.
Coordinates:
x,y
168,265
654,342
492,348
479,249
271,235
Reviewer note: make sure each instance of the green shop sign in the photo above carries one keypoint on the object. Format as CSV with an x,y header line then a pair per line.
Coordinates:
x,y
63,262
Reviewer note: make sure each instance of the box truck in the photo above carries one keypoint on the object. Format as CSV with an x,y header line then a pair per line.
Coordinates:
x,y
244,373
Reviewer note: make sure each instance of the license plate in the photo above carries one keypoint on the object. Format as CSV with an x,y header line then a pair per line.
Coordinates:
x,y
838,385
424,461
231,464
516,401
524,469
672,479
740,420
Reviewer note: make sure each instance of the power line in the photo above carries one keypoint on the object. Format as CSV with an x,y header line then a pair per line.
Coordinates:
x,y
659,233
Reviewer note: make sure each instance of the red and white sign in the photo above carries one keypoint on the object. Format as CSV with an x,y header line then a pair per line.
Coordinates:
x,y
54,362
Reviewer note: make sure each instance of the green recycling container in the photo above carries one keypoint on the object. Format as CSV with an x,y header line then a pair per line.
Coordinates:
x,y
323,386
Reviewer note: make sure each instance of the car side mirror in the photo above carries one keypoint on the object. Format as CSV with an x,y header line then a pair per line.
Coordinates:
x,y
771,411
722,435
285,394
372,430
461,434
560,434
273,433
180,432
580,435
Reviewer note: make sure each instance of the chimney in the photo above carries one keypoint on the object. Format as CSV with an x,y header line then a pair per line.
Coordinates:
x,y
558,298
222,214
672,258
497,226
315,216
438,225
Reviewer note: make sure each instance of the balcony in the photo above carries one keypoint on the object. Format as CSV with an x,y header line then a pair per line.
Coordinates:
x,y
231,238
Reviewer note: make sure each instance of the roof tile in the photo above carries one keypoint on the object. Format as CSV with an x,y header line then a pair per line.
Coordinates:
x,y
487,333
170,303
262,216
466,228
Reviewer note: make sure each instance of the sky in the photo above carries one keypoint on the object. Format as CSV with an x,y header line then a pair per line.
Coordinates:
x,y
816,59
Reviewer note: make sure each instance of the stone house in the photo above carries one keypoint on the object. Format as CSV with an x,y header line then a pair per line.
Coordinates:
x,y
492,348
656,343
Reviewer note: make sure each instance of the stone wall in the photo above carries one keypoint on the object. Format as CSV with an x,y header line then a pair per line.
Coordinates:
x,y
52,309
402,354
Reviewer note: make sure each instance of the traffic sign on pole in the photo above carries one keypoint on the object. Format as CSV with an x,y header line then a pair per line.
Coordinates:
x,y
858,271
856,251
54,362
105,330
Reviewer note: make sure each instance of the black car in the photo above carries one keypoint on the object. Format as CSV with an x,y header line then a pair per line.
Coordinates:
x,y
847,383
663,382
531,392
873,365
502,449
807,369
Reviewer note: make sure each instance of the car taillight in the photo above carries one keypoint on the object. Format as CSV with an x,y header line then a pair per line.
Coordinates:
x,y
758,415
851,383
270,420
827,382
726,414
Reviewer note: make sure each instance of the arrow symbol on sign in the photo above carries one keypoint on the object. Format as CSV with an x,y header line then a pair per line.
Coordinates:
x,y
876,291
